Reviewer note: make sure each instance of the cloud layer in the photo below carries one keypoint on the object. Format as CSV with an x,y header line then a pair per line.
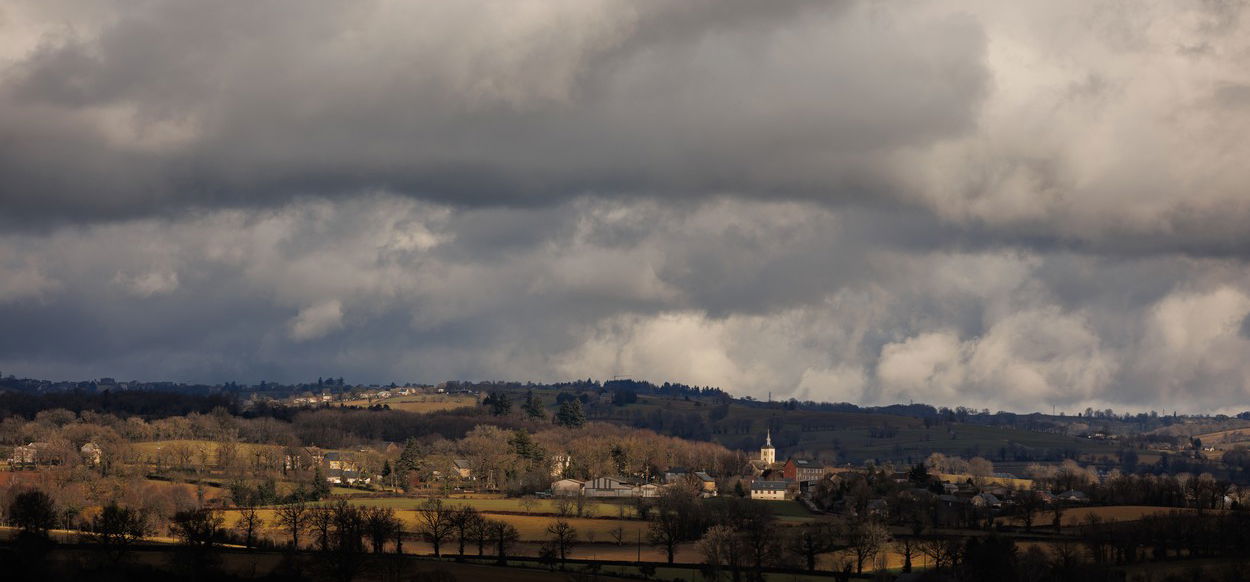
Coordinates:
x,y
1016,206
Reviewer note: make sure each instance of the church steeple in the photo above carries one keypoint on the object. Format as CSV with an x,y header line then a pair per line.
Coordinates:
x,y
767,453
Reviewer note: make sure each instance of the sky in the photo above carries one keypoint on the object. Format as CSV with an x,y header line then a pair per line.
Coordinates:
x,y
1014,206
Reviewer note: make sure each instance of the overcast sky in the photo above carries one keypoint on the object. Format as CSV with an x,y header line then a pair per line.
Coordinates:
x,y
1004,205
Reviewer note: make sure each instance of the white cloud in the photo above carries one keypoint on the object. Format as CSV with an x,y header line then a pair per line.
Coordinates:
x,y
148,284
316,321
22,280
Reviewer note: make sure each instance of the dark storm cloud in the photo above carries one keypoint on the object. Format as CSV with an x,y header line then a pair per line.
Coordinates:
x,y
194,104
1019,205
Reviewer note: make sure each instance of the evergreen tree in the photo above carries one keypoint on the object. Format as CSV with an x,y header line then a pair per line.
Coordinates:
x,y
524,446
534,405
409,461
499,403
321,487
571,414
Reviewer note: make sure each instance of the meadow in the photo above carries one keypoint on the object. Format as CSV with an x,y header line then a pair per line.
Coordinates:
x,y
420,403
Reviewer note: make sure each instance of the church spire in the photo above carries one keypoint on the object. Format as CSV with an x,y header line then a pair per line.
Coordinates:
x,y
767,453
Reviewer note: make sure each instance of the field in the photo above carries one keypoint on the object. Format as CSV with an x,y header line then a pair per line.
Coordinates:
x,y
1074,516
530,527
420,403
497,505
257,564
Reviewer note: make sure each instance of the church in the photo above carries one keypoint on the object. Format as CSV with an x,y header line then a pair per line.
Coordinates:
x,y
767,457
767,453
767,484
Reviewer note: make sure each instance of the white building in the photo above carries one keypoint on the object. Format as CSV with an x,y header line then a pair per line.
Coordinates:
x,y
775,490
767,453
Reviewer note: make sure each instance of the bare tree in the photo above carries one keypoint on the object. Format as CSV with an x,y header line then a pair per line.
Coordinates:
x,y
502,535
940,551
479,532
1028,504
322,523
1057,517
909,548
563,537
116,528
249,524
380,526
527,503
721,547
294,518
197,527
461,522
809,541
618,534
434,522
865,539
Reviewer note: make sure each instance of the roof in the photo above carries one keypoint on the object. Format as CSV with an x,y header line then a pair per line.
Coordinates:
x,y
611,481
461,463
769,485
806,464
703,476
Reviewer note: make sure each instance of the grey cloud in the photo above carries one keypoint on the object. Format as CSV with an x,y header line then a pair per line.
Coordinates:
x,y
192,104
752,296
1019,205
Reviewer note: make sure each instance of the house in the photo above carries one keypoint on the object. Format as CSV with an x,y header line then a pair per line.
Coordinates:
x,y
462,468
337,461
1073,496
91,454
347,477
567,488
611,487
648,490
706,483
761,489
675,474
986,500
802,470
31,454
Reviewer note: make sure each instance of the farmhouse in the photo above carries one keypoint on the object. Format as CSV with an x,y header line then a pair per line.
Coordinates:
x,y
346,477
337,461
567,488
31,454
761,489
612,487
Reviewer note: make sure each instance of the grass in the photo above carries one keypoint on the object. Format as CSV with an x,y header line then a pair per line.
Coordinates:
x,y
511,505
529,527
421,403
1074,516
